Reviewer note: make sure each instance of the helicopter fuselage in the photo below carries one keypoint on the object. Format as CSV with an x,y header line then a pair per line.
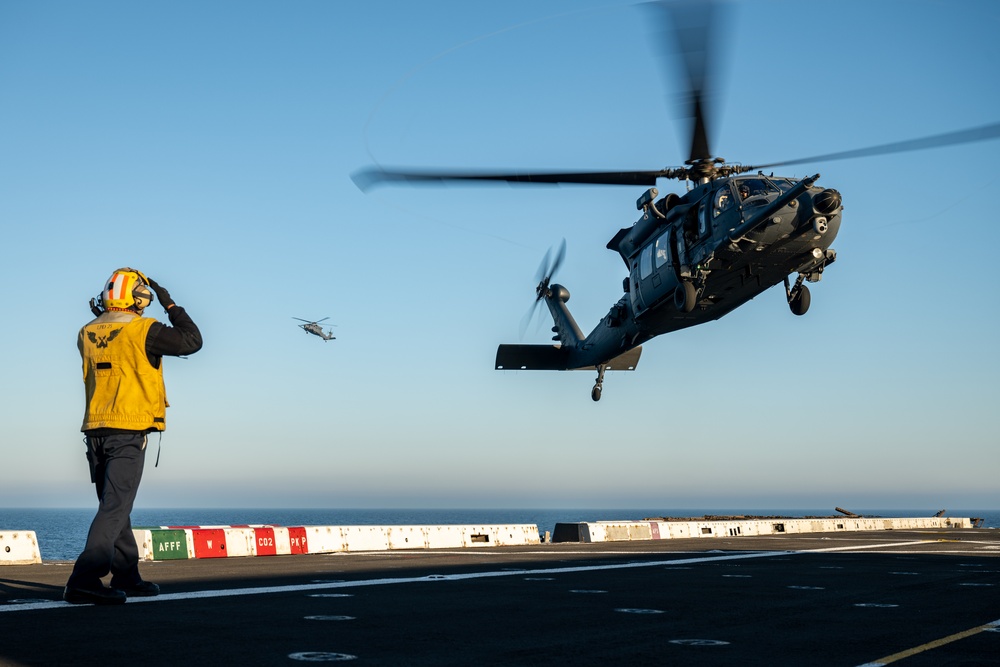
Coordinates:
x,y
695,257
317,330
692,259
725,248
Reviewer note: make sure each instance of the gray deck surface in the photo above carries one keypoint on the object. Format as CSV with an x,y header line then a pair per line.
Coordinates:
x,y
917,598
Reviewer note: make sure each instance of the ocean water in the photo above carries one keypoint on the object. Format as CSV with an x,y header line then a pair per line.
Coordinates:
x,y
61,533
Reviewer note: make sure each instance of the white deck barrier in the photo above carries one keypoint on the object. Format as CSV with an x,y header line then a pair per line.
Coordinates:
x,y
19,547
178,542
661,529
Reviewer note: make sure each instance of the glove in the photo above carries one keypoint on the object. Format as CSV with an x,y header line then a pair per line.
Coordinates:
x,y
161,294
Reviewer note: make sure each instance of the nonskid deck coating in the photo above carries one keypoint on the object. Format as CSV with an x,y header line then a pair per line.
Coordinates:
x,y
791,599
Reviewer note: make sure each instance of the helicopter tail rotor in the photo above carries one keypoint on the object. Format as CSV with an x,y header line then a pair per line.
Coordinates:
x,y
543,278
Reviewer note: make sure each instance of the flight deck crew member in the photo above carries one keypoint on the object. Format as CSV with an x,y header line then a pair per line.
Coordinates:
x,y
122,355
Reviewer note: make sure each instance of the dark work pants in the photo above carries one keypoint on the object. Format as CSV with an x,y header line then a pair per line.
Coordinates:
x,y
116,465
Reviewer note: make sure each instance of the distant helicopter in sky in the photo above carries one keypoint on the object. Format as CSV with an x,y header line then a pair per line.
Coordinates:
x,y
315,329
695,257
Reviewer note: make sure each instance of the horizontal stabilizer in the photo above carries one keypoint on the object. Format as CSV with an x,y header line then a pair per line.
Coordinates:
x,y
626,361
556,358
533,357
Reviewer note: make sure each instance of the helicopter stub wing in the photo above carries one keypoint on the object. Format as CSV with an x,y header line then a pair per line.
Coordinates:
x,y
556,358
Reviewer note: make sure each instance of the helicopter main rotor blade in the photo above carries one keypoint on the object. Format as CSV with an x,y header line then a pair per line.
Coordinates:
x,y
688,36
691,43
971,135
366,179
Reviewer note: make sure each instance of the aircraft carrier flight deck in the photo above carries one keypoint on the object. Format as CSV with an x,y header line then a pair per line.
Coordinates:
x,y
907,597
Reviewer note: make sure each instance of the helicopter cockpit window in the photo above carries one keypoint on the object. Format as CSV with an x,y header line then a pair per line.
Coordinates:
x,y
755,187
662,254
723,200
646,262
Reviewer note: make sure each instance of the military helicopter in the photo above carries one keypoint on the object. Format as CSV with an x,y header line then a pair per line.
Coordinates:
x,y
315,329
691,258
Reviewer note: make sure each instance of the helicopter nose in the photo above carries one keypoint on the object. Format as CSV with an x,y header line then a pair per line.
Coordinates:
x,y
827,202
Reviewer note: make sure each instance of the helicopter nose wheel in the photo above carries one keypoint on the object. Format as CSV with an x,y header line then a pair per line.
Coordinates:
x,y
798,296
595,393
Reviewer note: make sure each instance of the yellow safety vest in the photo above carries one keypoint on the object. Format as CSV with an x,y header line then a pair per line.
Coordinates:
x,y
123,389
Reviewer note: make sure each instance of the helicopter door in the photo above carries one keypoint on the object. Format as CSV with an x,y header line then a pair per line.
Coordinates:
x,y
637,305
642,273
681,262
664,265
703,219
721,202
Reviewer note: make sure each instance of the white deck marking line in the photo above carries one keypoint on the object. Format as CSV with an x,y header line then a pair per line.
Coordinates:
x,y
265,590
438,552
895,657
865,547
924,552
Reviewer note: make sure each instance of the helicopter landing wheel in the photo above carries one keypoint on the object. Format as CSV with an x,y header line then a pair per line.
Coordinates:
x,y
595,393
799,302
685,297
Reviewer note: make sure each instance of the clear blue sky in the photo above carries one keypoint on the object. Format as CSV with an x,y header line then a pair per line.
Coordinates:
x,y
211,146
